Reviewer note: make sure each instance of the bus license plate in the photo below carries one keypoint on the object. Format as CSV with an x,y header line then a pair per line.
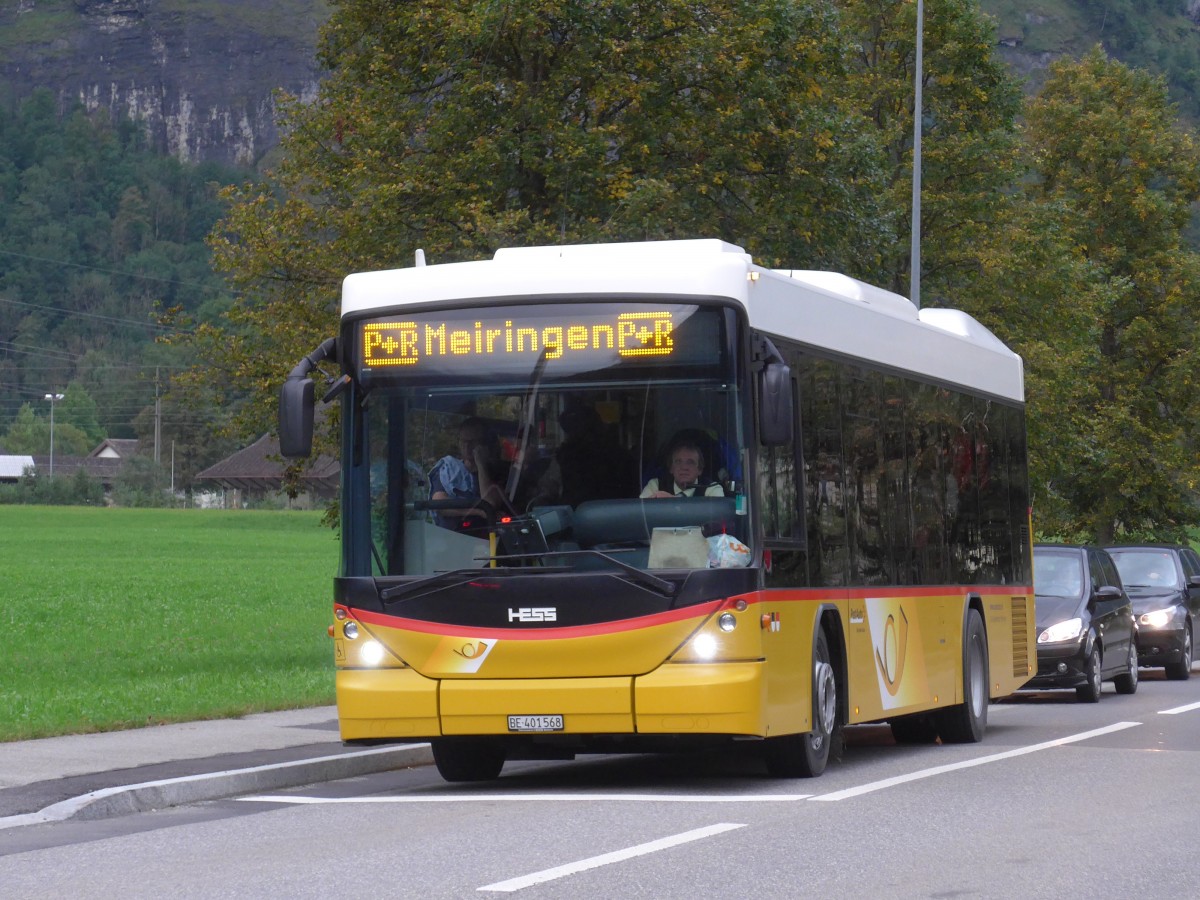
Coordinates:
x,y
535,723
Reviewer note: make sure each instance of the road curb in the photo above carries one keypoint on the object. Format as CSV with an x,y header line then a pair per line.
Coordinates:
x,y
133,798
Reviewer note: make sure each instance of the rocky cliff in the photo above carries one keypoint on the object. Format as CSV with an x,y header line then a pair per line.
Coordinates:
x,y
199,74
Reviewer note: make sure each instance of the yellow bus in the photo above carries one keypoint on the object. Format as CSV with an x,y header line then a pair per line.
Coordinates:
x,y
628,497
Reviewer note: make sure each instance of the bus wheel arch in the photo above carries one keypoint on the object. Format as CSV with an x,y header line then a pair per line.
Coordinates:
x,y
966,722
806,755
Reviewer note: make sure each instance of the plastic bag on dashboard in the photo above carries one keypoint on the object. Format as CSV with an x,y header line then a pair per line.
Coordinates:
x,y
727,552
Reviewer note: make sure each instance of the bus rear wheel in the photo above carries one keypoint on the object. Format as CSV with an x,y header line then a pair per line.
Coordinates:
x,y
966,722
806,755
468,759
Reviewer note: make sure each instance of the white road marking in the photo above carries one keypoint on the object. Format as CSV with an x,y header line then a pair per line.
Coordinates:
x,y
540,798
604,859
1179,709
969,763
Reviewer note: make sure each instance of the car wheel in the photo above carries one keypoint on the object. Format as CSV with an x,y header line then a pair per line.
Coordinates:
x,y
468,759
1127,681
806,755
1090,692
966,722
1182,670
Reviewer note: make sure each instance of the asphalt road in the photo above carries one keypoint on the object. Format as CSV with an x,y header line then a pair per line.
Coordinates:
x,y
1062,799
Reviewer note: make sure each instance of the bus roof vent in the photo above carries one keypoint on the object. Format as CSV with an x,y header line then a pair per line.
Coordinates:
x,y
958,322
848,288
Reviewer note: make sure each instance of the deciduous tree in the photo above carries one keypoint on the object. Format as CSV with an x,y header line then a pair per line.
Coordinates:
x,y
1114,177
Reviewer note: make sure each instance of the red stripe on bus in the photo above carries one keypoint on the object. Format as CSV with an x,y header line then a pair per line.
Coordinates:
x,y
699,611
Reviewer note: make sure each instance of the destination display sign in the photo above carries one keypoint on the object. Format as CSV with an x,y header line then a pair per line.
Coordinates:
x,y
575,337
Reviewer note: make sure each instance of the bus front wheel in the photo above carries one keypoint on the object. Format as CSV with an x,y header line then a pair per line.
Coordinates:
x,y
806,755
966,722
467,759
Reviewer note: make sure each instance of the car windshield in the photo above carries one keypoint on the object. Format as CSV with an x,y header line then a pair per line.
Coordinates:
x,y
1146,568
1057,573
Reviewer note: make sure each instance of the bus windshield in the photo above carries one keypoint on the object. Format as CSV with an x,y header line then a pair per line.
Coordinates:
x,y
582,430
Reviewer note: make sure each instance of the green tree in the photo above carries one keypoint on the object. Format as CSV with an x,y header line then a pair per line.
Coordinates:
x,y
1114,176
77,408
462,126
29,434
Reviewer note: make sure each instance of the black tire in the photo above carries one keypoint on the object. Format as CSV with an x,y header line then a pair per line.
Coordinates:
x,y
1182,670
806,755
966,722
921,729
1090,692
1127,681
468,759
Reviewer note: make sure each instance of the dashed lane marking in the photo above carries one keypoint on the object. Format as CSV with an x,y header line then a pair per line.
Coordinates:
x,y
604,859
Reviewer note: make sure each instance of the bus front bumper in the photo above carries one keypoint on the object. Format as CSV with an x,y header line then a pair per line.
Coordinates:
x,y
675,699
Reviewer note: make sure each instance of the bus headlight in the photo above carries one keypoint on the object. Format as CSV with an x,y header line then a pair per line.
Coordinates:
x,y
350,630
727,622
705,646
371,653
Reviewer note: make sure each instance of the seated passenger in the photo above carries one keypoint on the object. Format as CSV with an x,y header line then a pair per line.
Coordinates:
x,y
589,464
477,473
687,479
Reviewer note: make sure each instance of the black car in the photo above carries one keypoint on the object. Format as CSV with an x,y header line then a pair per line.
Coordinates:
x,y
1085,624
1163,581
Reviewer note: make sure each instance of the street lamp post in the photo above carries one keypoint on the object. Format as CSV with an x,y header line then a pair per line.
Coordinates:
x,y
915,259
53,398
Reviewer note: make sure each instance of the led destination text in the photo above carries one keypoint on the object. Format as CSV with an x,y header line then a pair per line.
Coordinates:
x,y
408,342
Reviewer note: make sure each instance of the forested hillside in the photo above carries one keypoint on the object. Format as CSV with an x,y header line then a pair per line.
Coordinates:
x,y
1161,36
99,237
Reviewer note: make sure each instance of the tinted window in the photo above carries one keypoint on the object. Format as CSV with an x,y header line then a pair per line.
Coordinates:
x,y
825,495
1146,568
1110,570
908,483
1096,571
1058,573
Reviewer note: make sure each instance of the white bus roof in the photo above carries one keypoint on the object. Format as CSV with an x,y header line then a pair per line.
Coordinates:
x,y
821,309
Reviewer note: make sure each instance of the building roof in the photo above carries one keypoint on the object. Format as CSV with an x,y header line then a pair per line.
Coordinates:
x,y
103,468
12,467
121,448
260,468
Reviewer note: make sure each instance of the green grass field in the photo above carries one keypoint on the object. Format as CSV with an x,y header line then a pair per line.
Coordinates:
x,y
118,618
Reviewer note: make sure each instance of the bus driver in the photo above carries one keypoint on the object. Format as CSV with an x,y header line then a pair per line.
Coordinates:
x,y
686,469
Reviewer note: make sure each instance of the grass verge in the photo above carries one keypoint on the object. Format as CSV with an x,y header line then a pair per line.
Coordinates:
x,y
119,618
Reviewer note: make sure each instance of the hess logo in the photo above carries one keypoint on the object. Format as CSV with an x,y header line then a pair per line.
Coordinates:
x,y
533,614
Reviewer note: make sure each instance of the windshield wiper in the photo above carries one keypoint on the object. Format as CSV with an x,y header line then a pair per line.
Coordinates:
x,y
642,577
441,578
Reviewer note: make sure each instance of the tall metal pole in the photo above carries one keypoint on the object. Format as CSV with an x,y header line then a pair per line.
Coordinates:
x,y
915,261
53,398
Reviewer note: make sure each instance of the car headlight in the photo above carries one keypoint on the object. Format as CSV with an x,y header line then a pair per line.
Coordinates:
x,y
1062,631
1156,619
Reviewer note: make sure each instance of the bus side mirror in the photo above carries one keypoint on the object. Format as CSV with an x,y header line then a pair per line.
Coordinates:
x,y
296,417
775,405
